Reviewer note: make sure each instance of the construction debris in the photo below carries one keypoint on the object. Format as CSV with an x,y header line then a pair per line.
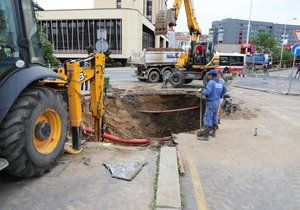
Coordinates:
x,y
125,170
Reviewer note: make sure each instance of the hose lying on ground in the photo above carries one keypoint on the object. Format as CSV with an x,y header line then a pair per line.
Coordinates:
x,y
126,141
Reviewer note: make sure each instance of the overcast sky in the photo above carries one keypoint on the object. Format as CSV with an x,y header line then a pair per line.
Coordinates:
x,y
278,11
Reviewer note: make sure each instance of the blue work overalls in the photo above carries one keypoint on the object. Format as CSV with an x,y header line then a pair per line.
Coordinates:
x,y
214,91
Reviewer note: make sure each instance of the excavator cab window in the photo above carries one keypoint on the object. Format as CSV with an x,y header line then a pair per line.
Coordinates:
x,y
9,50
32,31
11,33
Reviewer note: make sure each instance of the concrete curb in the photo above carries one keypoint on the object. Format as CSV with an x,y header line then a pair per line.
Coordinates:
x,y
266,91
168,189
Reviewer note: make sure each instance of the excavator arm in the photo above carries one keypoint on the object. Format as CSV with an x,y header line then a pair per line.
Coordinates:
x,y
168,18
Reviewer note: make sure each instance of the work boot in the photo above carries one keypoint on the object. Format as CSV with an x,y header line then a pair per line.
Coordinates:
x,y
200,133
205,136
214,130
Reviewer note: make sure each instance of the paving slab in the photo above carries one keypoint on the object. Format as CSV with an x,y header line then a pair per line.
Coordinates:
x,y
168,190
240,170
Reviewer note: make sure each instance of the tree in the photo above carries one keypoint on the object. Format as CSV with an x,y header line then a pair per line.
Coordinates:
x,y
287,57
47,47
265,42
3,28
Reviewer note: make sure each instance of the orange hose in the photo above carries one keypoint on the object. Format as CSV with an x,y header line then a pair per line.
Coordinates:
x,y
126,141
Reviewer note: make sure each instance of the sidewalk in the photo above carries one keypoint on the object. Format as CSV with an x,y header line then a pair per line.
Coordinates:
x,y
270,84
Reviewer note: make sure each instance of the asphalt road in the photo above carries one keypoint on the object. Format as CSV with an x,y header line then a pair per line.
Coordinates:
x,y
120,74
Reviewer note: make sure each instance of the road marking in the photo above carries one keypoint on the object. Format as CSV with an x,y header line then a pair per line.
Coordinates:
x,y
198,190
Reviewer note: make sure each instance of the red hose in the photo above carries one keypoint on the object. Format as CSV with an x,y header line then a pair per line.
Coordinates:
x,y
126,141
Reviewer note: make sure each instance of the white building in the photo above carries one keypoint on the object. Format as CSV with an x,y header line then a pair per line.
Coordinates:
x,y
129,25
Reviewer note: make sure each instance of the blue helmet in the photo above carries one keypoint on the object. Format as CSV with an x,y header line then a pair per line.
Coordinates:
x,y
213,72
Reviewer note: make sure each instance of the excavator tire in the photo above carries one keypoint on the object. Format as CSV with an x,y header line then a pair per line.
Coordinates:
x,y
33,133
205,80
176,79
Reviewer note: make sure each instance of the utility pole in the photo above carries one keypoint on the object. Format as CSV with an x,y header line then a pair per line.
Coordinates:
x,y
248,35
284,38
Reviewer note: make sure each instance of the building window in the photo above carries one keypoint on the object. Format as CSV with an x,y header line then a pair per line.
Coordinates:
x,y
149,10
148,38
74,36
119,3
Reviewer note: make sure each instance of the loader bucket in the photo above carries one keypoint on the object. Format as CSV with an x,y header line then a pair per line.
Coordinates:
x,y
164,20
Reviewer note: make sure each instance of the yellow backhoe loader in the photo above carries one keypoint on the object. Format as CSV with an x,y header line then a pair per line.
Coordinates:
x,y
189,66
38,104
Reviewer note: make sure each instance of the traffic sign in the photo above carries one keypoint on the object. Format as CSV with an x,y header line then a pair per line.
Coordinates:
x,y
101,33
296,49
102,45
297,35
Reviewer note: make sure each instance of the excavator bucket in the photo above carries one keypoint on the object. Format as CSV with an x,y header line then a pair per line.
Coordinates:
x,y
164,20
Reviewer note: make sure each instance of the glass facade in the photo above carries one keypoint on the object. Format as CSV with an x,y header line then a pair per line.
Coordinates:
x,y
148,38
74,36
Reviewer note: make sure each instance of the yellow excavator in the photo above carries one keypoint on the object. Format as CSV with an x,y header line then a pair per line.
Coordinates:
x,y
189,66
38,104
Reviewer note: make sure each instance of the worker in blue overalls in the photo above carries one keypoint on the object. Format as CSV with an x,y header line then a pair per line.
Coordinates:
x,y
213,92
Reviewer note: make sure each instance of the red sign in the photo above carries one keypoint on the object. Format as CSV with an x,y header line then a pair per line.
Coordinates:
x,y
297,35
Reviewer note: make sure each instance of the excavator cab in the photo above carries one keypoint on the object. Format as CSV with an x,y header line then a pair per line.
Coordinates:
x,y
19,43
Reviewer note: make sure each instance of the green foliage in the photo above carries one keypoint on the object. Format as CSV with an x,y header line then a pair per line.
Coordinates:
x,y
265,42
3,32
90,49
287,57
118,64
47,48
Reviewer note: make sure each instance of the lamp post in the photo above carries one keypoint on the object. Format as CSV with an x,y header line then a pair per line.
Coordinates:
x,y
282,44
248,35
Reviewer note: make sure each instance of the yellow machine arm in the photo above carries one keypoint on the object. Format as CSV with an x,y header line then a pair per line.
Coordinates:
x,y
169,17
75,74
90,69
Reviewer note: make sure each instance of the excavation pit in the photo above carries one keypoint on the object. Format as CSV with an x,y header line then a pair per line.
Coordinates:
x,y
125,115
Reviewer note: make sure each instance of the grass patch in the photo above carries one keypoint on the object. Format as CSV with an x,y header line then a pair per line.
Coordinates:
x,y
155,185
182,199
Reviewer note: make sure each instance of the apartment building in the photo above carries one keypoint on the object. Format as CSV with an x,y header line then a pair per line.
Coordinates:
x,y
234,31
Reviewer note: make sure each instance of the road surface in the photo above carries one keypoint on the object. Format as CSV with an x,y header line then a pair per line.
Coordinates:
x,y
125,74
238,170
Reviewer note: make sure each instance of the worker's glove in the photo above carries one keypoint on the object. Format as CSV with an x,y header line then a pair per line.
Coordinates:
x,y
198,95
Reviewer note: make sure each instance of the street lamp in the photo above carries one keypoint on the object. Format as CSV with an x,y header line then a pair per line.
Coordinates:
x,y
284,35
248,35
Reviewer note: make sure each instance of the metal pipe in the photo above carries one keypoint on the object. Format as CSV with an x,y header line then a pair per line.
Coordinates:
x,y
169,111
291,76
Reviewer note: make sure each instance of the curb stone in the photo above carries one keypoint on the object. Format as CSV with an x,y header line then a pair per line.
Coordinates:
x,y
168,189
267,91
